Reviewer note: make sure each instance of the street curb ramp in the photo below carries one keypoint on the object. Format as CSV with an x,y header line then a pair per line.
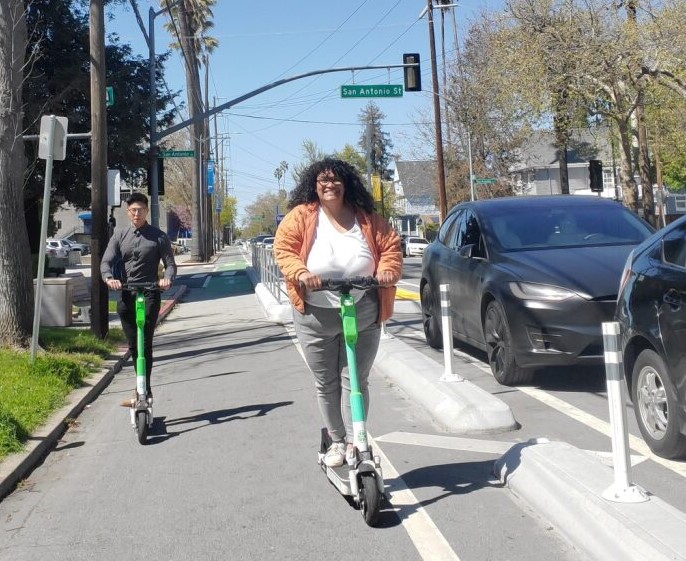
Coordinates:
x,y
460,407
565,484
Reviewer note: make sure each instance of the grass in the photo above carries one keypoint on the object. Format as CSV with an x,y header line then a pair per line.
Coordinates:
x,y
29,393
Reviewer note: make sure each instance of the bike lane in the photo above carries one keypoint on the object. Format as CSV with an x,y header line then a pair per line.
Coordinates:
x,y
230,470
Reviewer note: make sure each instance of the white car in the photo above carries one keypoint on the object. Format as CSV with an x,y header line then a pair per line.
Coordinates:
x,y
82,247
414,246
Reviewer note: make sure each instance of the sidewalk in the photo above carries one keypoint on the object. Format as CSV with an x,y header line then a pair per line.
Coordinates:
x,y
563,484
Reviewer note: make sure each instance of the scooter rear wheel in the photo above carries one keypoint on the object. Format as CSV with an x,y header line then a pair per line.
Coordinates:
x,y
142,426
370,498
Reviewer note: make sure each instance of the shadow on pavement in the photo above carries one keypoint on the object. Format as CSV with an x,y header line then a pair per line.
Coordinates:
x,y
160,432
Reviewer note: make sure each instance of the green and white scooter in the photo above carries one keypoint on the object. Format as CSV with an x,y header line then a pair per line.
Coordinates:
x,y
141,406
361,477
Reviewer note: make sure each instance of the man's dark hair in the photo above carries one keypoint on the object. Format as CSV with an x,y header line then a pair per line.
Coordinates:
x,y
137,198
356,195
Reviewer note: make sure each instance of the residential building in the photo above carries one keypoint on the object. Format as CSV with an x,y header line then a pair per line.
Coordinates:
x,y
416,188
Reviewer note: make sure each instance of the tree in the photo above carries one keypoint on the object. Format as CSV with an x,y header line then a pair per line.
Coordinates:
x,y
261,215
16,287
56,83
353,157
311,153
374,142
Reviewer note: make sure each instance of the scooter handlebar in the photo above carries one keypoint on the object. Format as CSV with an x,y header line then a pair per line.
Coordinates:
x,y
339,285
136,286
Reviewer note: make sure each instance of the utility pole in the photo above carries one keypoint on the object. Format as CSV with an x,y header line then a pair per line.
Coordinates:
x,y
99,290
442,204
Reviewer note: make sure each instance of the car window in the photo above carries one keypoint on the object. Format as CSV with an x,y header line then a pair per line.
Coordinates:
x,y
447,231
471,232
674,248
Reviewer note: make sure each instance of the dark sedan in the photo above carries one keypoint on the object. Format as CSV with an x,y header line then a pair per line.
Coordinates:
x,y
651,310
531,278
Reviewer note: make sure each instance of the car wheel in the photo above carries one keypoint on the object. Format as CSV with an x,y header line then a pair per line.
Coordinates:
x,y
431,318
500,354
656,407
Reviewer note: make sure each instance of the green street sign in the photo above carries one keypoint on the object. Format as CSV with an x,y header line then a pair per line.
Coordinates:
x,y
177,153
484,180
109,96
383,90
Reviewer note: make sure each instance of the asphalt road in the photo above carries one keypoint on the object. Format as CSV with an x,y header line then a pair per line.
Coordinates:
x,y
230,471
567,404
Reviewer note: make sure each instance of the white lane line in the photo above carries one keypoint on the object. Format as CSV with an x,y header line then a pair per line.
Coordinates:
x,y
601,426
408,283
207,281
425,535
591,421
198,275
447,442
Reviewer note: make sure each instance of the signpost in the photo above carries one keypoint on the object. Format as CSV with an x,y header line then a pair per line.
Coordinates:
x,y
383,90
177,153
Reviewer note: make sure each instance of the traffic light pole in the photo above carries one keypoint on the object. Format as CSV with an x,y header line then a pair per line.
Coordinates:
x,y
219,108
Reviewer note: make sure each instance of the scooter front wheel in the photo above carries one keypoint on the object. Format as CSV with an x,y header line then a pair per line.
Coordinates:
x,y
142,426
370,498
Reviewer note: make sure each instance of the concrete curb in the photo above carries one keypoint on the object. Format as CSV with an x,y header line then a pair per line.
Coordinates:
x,y
565,485
460,407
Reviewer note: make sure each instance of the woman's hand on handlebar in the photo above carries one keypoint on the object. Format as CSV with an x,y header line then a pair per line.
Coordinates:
x,y
310,280
386,278
113,284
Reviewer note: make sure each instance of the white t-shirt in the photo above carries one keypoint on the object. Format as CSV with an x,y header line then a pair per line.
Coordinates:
x,y
337,255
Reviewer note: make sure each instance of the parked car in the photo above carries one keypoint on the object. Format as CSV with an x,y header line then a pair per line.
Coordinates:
x,y
82,247
651,311
57,248
531,278
413,246
267,242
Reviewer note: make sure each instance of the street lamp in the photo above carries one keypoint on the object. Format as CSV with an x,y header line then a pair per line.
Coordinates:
x,y
152,67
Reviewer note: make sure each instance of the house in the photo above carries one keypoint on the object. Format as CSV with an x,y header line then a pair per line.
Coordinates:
x,y
538,170
416,189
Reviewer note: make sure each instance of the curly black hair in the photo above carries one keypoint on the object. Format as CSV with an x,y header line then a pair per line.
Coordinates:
x,y
356,195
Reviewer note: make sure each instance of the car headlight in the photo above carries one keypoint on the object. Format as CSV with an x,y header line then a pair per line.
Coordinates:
x,y
548,293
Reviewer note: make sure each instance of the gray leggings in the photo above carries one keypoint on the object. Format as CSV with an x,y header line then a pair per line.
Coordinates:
x,y
320,334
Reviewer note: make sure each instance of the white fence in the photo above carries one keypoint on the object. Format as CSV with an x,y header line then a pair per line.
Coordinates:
x,y
268,273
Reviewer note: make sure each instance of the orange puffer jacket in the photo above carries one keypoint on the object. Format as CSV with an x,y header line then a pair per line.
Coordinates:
x,y
294,239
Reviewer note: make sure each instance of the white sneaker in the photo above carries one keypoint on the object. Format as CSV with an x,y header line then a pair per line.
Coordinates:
x,y
335,455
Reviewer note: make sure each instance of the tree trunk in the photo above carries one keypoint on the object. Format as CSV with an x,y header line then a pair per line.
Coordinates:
x,y
194,107
644,168
16,282
626,173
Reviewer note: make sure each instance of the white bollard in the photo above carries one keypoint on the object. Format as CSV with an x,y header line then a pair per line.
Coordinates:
x,y
621,491
447,328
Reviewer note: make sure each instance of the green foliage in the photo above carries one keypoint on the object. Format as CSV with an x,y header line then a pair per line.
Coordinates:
x,y
58,82
29,393
352,156
228,213
373,140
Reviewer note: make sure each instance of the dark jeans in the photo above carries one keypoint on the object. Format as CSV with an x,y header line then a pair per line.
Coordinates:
x,y
126,308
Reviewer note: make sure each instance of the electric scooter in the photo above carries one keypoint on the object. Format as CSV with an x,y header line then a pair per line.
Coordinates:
x,y
141,405
361,477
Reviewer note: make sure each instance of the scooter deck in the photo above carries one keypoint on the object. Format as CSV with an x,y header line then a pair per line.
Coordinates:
x,y
339,477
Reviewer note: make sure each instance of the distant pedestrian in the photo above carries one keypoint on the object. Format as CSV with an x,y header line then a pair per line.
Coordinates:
x,y
138,248
332,231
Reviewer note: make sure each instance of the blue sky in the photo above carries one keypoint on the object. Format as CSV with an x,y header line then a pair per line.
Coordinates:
x,y
260,42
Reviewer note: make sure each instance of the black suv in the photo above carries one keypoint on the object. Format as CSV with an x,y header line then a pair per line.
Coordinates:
x,y
651,309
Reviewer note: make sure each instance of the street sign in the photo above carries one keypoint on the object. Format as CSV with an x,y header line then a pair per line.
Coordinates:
x,y
383,90
485,180
177,153
109,96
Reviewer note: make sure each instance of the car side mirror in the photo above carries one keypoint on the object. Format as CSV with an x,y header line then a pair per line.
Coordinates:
x,y
467,251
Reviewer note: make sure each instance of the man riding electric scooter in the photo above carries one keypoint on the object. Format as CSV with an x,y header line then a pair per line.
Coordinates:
x,y
138,248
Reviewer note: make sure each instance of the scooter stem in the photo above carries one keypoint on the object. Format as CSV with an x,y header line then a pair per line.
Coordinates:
x,y
140,360
356,400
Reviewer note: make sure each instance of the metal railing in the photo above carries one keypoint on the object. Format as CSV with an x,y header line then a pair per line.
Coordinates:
x,y
268,272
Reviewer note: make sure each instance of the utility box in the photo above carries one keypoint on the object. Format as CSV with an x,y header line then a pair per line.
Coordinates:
x,y
56,301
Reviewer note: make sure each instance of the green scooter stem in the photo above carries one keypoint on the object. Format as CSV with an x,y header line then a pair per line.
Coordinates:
x,y
350,335
140,360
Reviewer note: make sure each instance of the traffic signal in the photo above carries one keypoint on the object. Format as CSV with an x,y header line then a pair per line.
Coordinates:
x,y
159,162
595,173
412,74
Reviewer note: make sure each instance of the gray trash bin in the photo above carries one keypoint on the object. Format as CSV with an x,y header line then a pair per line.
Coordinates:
x,y
56,301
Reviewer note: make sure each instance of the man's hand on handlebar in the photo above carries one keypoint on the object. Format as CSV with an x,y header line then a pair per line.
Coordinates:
x,y
164,284
113,284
